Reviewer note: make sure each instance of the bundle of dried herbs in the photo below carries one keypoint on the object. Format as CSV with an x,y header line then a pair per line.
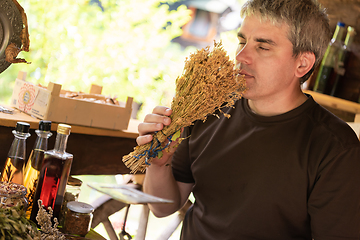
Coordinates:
x,y
209,82
14,226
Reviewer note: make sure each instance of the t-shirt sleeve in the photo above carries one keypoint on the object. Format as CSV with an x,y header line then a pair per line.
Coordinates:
x,y
334,202
181,162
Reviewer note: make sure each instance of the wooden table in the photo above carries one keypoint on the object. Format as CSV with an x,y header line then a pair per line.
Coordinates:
x,y
96,151
92,235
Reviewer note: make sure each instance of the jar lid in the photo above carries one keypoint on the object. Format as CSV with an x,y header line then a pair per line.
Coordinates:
x,y
74,181
22,127
80,207
45,125
64,129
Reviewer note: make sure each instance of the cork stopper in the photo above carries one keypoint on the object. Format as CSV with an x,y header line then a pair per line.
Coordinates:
x,y
64,129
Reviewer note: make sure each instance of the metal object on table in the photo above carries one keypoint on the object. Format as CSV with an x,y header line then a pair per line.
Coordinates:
x,y
6,110
10,29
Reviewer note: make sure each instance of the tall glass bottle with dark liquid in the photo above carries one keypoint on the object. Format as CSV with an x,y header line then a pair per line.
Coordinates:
x,y
326,75
54,174
34,163
344,56
13,170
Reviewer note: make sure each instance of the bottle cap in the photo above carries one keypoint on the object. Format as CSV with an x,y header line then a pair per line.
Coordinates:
x,y
351,29
45,125
74,181
341,24
64,129
22,127
80,207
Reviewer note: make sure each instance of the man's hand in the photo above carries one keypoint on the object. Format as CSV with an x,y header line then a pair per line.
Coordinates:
x,y
155,122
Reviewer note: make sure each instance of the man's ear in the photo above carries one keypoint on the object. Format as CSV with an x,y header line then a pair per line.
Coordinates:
x,y
305,61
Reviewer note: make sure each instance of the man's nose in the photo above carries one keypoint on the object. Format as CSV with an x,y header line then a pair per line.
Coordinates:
x,y
243,55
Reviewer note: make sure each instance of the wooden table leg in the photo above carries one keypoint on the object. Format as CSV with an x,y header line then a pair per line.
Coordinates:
x,y
143,221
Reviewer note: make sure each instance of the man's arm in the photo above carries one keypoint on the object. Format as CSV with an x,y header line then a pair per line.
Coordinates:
x,y
159,180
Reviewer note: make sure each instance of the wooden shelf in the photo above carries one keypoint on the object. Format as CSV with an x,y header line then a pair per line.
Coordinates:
x,y
336,103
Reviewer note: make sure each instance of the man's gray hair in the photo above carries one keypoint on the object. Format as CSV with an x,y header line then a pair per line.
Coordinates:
x,y
308,23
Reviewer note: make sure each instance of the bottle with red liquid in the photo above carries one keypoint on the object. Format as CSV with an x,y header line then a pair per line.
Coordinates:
x,y
13,170
54,174
34,163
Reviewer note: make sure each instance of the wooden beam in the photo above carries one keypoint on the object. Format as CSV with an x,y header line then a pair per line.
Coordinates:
x,y
336,103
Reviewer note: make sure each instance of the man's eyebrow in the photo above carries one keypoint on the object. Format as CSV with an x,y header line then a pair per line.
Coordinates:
x,y
264,40
260,40
240,35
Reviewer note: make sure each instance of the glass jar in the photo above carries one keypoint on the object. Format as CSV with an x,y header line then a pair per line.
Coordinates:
x,y
73,188
13,195
72,193
78,218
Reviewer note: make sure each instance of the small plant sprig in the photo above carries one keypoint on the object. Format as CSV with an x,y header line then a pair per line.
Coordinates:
x,y
208,83
43,218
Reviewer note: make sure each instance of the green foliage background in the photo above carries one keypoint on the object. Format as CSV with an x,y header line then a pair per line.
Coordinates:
x,y
125,48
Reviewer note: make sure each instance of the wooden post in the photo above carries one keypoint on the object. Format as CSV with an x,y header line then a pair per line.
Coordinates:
x,y
141,232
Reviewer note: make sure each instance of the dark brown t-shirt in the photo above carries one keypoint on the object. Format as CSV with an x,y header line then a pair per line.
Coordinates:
x,y
291,176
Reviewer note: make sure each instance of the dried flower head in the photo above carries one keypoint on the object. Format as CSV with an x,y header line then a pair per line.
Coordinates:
x,y
43,218
208,83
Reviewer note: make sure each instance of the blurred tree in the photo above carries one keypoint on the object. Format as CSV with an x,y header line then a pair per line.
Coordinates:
x,y
125,46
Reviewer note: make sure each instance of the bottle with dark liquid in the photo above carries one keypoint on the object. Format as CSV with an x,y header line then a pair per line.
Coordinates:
x,y
13,170
326,76
54,174
344,56
33,165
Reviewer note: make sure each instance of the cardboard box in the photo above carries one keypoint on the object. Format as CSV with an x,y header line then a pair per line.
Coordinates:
x,y
51,104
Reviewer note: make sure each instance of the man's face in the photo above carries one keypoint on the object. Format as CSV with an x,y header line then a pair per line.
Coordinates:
x,y
265,56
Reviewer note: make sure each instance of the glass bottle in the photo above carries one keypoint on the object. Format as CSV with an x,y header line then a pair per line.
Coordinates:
x,y
33,165
344,55
54,174
13,170
326,74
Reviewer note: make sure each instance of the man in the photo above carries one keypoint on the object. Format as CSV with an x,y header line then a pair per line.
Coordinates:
x,y
282,167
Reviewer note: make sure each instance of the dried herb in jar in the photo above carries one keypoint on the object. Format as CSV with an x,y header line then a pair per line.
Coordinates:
x,y
13,195
78,218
